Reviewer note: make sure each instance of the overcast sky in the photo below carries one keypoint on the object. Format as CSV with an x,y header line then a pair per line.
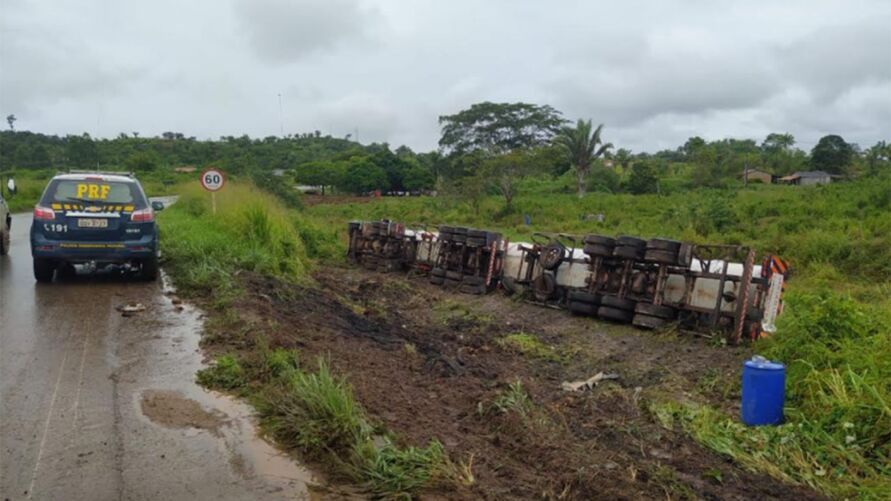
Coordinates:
x,y
655,73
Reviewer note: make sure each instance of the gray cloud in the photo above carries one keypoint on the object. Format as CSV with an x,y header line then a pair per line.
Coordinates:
x,y
654,72
287,30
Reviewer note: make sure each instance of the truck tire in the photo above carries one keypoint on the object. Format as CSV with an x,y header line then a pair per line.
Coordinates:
x,y
599,240
614,314
627,241
454,275
578,308
576,296
628,252
4,243
598,250
618,303
44,269
551,256
647,322
544,287
658,311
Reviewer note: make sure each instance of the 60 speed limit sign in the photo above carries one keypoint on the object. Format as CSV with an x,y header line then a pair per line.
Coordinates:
x,y
213,180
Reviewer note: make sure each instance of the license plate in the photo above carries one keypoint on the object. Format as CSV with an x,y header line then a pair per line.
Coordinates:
x,y
92,223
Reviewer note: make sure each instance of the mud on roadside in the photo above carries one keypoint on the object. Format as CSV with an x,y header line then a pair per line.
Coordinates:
x,y
433,364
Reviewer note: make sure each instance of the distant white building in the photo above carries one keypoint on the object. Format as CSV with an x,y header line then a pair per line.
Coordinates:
x,y
809,178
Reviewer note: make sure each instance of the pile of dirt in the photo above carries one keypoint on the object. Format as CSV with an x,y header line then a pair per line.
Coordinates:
x,y
431,364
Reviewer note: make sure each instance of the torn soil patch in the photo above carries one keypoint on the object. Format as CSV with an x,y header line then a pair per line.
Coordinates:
x,y
428,364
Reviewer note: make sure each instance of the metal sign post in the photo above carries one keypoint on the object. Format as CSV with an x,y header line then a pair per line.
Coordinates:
x,y
213,181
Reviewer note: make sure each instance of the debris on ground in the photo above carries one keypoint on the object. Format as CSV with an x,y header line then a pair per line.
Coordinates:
x,y
587,384
130,309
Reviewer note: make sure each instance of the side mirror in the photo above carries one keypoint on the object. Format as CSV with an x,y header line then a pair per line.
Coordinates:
x,y
10,186
157,206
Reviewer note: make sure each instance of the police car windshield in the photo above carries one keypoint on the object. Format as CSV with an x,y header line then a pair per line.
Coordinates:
x,y
94,192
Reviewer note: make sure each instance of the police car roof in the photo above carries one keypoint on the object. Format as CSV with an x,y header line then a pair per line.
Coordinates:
x,y
121,178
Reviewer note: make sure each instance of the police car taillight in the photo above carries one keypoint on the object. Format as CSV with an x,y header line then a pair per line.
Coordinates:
x,y
142,216
44,214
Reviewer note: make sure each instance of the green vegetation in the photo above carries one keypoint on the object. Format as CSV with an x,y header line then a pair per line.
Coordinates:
x,y
316,414
838,410
514,399
225,374
530,346
837,230
252,231
313,412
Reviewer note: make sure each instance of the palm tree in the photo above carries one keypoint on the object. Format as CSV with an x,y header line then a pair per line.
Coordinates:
x,y
580,145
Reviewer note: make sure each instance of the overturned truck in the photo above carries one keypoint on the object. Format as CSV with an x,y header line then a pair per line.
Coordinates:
x,y
647,283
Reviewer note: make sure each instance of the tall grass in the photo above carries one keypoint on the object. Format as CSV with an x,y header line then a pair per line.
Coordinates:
x,y
837,436
317,414
845,224
251,231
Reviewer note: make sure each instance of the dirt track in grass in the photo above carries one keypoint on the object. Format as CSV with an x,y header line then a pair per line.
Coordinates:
x,y
428,364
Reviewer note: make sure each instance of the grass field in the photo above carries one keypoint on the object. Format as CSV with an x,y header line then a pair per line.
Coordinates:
x,y
835,336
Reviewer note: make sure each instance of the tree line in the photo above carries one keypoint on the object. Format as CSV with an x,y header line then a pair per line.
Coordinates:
x,y
488,148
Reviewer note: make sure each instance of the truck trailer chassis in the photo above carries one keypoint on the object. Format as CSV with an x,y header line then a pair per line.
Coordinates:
x,y
648,283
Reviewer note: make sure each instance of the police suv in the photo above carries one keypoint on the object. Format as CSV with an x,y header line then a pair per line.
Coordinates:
x,y
99,220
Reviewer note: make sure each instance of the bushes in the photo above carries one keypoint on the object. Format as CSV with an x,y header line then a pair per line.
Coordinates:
x,y
225,374
252,231
837,436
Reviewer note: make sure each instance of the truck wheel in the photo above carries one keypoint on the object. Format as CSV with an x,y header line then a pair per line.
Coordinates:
x,y
657,311
647,322
44,269
618,303
4,244
579,308
615,314
150,269
628,252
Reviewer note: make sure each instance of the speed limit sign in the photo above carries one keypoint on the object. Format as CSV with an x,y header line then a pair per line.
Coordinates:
x,y
213,179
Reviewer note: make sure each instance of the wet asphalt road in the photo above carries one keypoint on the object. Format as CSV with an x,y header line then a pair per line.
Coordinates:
x,y
72,376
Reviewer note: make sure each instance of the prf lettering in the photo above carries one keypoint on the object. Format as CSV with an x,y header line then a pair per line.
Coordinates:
x,y
93,191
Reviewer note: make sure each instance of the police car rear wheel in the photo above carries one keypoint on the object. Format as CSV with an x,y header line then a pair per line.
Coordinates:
x,y
44,270
150,269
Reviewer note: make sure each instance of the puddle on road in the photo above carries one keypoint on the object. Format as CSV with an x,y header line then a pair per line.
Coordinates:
x,y
175,401
171,409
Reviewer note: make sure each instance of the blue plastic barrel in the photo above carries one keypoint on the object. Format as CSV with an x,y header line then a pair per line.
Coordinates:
x,y
763,392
